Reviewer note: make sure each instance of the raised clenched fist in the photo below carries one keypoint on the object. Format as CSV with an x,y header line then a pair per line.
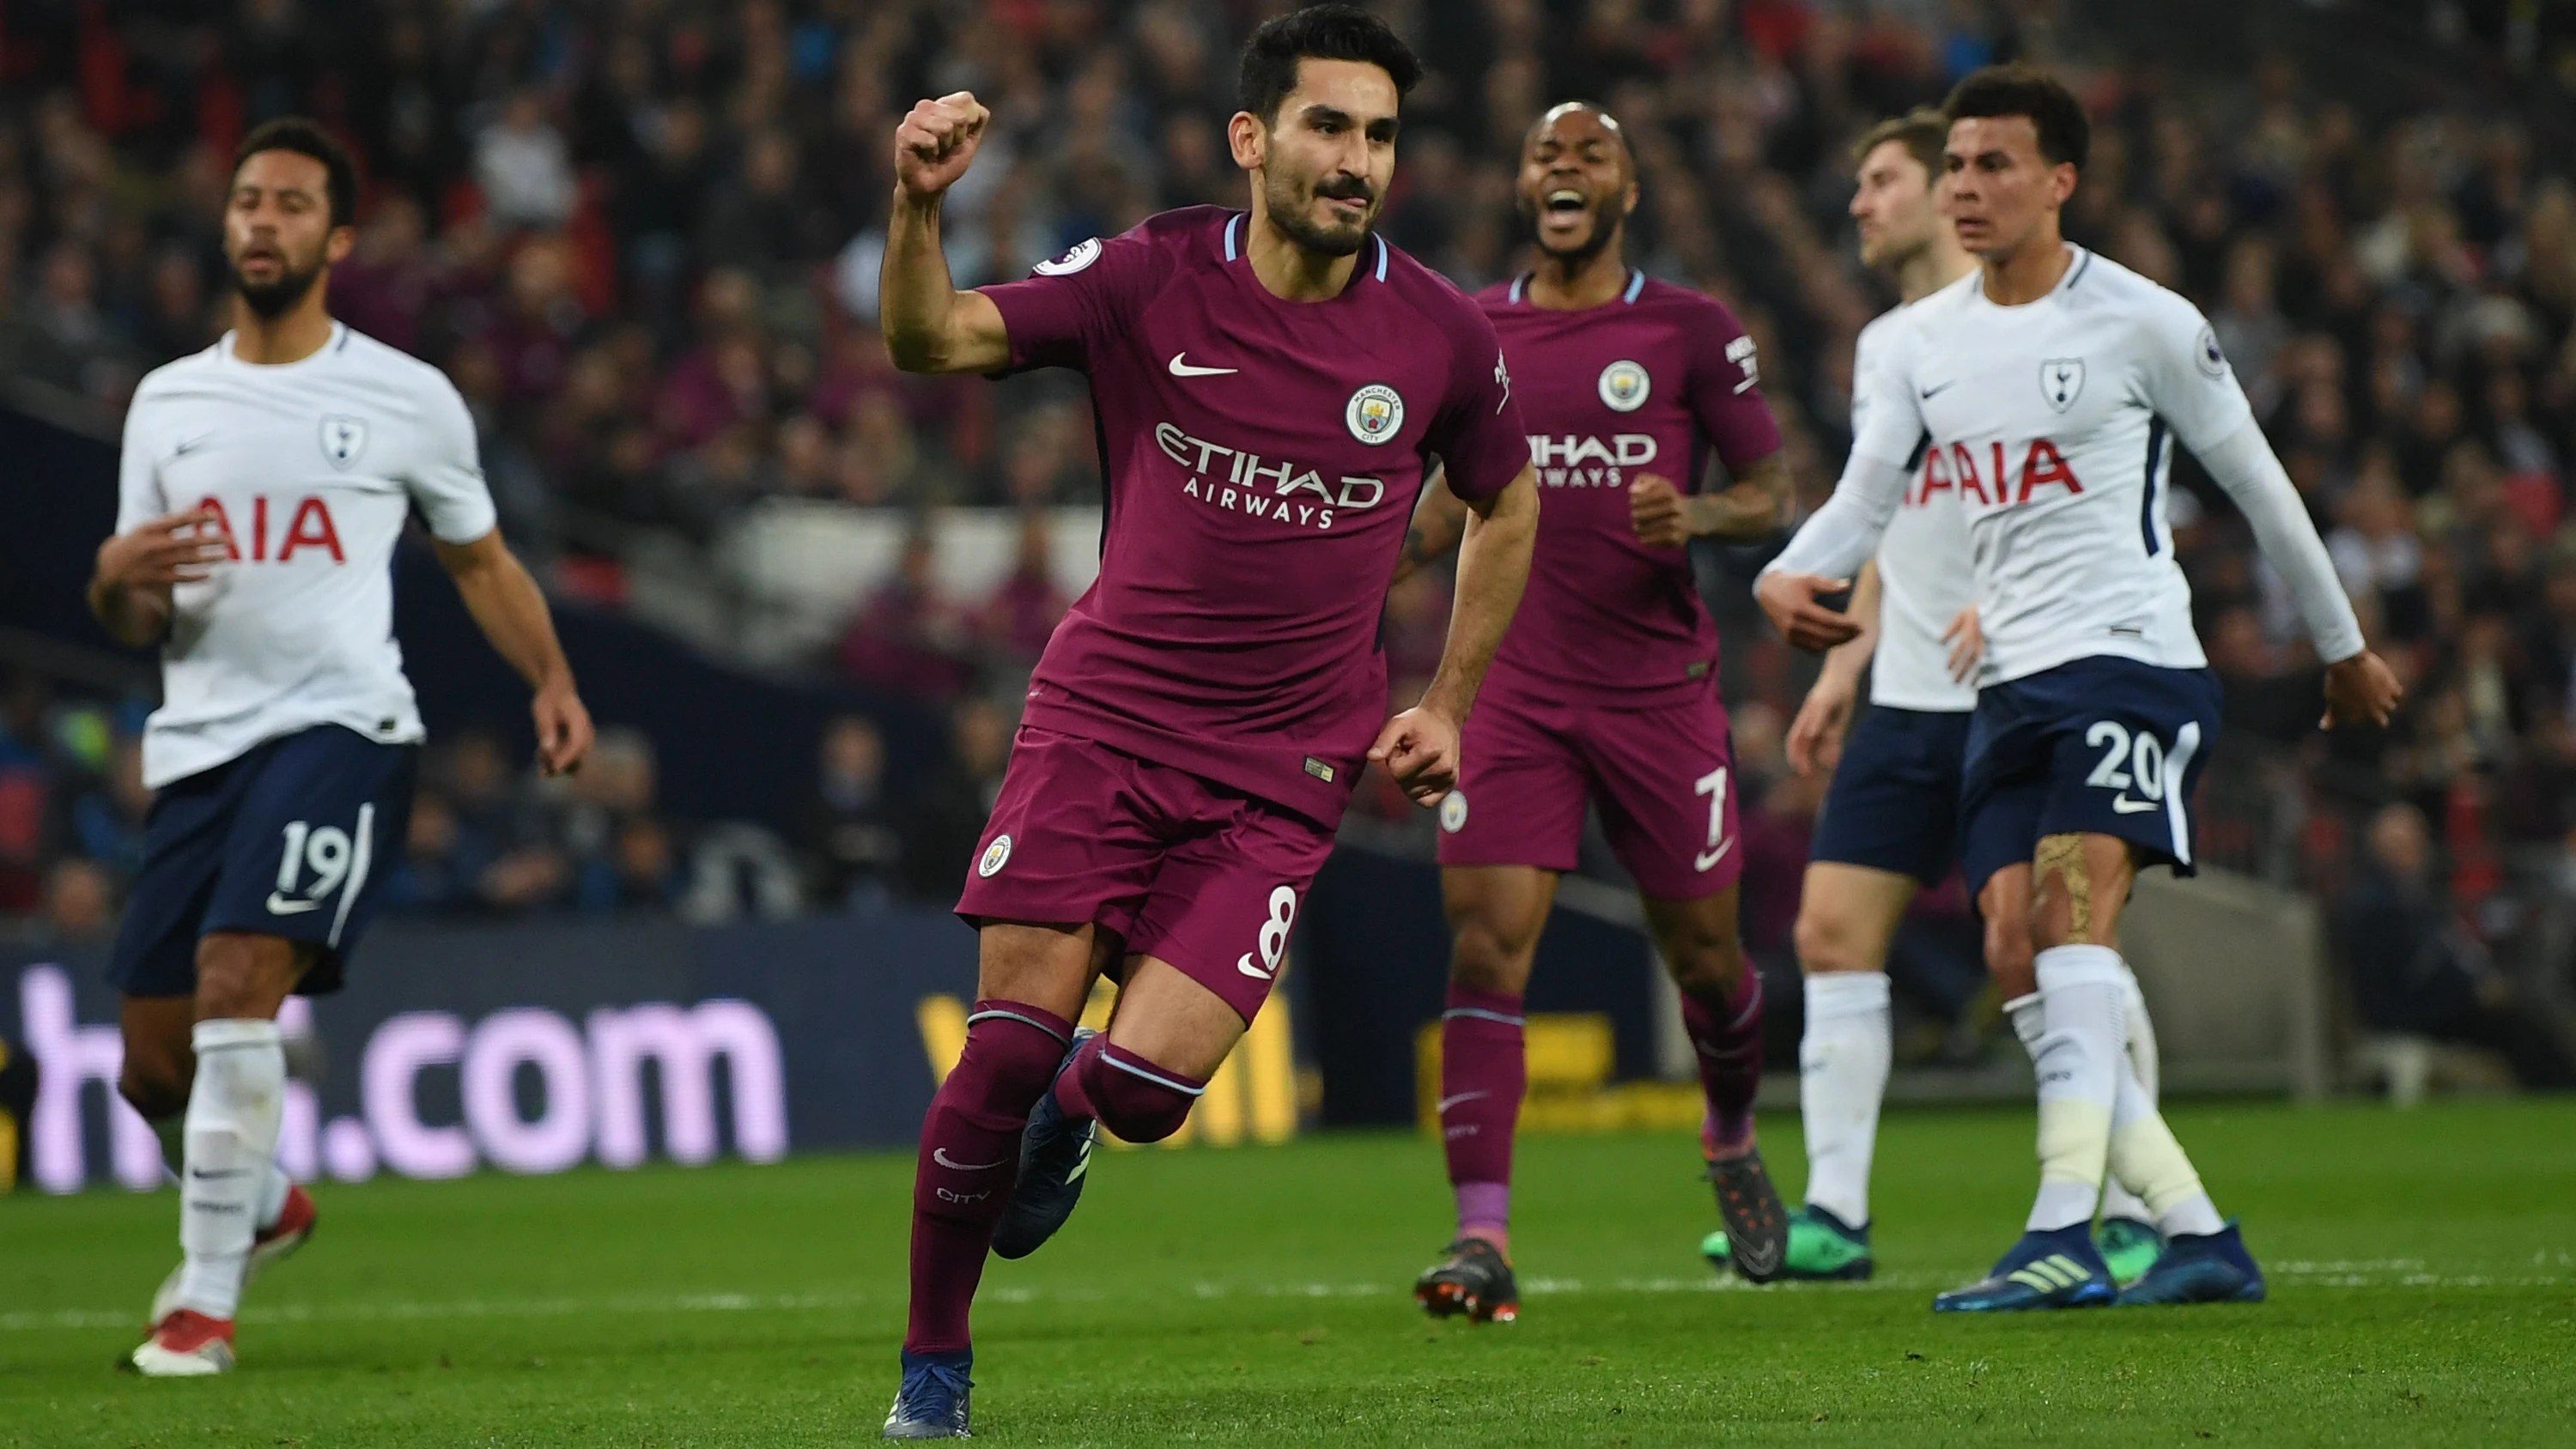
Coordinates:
x,y
936,143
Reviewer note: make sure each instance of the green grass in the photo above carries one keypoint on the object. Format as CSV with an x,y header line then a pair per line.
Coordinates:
x,y
2423,1292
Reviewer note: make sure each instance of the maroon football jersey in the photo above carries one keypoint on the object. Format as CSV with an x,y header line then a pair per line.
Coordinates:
x,y
1650,382
1261,459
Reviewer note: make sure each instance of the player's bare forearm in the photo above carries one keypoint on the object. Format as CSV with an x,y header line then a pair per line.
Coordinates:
x,y
929,325
1754,508
1847,659
511,610
1439,522
509,607
131,579
134,617
1493,568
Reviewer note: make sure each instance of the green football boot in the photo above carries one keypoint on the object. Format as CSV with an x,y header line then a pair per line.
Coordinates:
x,y
1822,1248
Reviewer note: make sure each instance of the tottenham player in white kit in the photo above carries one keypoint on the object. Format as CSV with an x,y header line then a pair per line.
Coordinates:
x,y
2044,392
1890,824
264,484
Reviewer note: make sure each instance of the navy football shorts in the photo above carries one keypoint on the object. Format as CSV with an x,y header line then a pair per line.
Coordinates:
x,y
1894,801
293,839
2101,746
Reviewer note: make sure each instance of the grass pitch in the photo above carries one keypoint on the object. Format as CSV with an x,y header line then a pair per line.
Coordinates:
x,y
2423,1292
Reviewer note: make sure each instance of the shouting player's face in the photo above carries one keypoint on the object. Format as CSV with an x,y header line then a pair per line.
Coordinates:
x,y
1896,206
277,230
2001,193
1322,168
1577,183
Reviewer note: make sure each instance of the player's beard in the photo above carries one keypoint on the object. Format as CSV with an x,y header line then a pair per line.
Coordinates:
x,y
274,299
1291,211
1606,227
1895,256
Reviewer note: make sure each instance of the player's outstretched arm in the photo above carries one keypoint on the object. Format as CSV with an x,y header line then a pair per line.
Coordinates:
x,y
929,325
1420,746
1439,521
2360,687
512,611
129,586
1829,550
1816,735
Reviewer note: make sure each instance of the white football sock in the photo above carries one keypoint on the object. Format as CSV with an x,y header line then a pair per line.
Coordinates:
x,y
2077,1060
2145,1157
2117,1200
233,1112
1842,1077
173,1132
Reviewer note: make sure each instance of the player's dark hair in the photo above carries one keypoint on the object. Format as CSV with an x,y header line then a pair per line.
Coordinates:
x,y
1318,32
307,138
1922,131
2065,132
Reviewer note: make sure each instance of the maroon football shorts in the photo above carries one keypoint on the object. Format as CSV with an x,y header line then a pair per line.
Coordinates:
x,y
1663,776
1181,868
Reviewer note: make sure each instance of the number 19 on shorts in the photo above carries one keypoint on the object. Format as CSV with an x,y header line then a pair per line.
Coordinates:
x,y
331,856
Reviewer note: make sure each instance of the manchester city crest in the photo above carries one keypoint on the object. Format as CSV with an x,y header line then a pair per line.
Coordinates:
x,y
2061,381
1625,386
1453,811
1375,414
996,855
343,439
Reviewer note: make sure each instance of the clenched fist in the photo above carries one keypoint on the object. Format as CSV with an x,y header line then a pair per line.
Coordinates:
x,y
936,143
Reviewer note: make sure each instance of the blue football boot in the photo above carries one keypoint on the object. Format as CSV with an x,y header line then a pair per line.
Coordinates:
x,y
1055,1157
2056,1269
2199,1268
932,1402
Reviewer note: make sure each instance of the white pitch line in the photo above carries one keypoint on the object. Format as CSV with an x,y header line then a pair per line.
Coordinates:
x,y
2373,1273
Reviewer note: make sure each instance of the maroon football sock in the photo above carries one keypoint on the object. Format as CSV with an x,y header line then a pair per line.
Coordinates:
x,y
970,1157
1132,1097
1484,1072
1726,1036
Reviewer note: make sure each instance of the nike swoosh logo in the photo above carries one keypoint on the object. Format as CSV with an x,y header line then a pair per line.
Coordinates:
x,y
220,1174
1448,1102
1710,858
279,905
1182,368
940,1156
2127,806
1927,392
190,445
1758,1264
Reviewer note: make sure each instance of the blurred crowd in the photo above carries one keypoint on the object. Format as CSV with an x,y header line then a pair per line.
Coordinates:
x,y
489,838
643,236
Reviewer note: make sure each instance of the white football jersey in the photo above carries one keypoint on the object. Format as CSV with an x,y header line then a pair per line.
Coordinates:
x,y
312,467
1925,574
2053,426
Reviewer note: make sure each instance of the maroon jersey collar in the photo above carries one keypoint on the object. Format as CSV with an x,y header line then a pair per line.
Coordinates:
x,y
1636,284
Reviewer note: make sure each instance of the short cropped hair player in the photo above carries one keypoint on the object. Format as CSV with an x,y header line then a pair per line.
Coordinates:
x,y
1604,693
1890,822
2045,390
1271,385
264,484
